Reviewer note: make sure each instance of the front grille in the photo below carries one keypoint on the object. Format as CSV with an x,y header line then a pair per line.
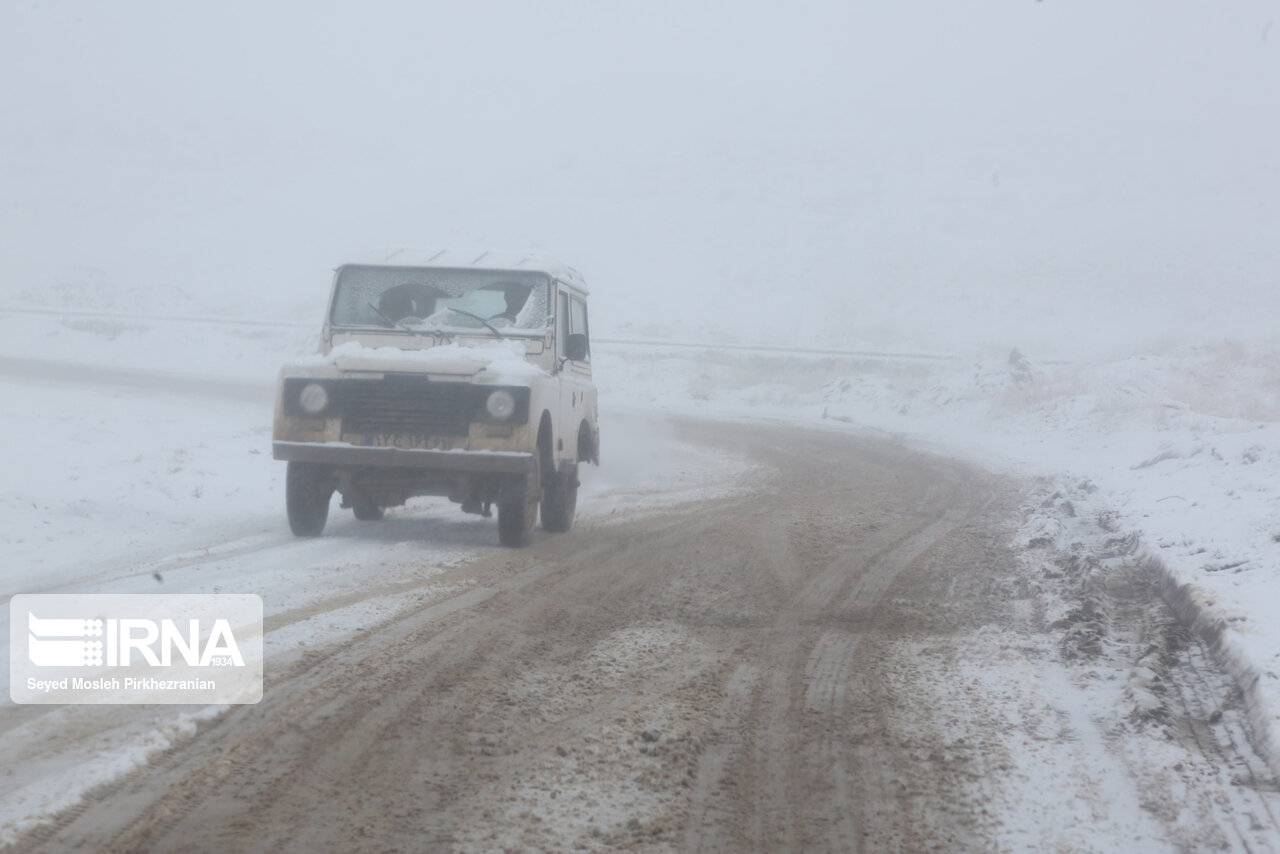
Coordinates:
x,y
406,405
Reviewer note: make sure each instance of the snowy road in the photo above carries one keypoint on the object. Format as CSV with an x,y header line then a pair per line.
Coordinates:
x,y
841,654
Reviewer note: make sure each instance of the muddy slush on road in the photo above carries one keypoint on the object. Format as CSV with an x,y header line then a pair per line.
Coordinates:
x,y
848,654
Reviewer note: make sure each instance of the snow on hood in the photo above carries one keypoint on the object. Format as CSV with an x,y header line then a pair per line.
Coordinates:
x,y
505,359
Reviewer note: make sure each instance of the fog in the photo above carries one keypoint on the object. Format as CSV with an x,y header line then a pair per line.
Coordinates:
x,y
1068,178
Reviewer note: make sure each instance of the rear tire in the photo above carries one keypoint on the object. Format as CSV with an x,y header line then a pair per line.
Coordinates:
x,y
517,512
307,490
366,512
560,500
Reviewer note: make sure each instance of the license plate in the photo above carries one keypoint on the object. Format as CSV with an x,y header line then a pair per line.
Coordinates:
x,y
404,442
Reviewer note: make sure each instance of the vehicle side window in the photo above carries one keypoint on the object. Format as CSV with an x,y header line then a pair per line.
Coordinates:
x,y
578,321
562,325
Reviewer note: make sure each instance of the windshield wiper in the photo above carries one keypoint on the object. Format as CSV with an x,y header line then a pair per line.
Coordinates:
x,y
495,330
438,335
394,324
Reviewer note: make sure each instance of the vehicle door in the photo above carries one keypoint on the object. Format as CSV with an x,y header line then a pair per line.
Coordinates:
x,y
576,390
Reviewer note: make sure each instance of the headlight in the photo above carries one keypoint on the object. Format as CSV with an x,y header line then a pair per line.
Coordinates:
x,y
501,405
313,398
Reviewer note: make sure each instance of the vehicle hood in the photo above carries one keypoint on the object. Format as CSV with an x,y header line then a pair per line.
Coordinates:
x,y
502,360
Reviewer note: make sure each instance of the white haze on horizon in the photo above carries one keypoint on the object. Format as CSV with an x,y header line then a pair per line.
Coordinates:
x,y
1062,177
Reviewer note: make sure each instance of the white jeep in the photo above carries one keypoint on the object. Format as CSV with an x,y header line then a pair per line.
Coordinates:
x,y
459,375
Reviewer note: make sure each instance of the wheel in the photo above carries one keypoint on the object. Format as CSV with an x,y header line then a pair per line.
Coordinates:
x,y
307,490
517,511
366,511
560,500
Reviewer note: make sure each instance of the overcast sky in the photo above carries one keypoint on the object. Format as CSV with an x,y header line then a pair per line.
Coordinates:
x,y
1052,175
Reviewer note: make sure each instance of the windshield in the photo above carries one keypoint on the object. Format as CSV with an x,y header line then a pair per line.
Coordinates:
x,y
454,300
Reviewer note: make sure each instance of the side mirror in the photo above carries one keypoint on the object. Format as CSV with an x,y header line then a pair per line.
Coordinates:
x,y
576,348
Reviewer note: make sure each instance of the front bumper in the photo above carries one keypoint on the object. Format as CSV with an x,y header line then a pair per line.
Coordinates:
x,y
343,454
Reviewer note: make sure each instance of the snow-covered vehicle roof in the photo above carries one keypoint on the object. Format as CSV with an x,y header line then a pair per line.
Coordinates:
x,y
478,259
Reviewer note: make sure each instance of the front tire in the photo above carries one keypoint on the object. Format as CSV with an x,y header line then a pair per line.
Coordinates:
x,y
560,500
517,511
307,490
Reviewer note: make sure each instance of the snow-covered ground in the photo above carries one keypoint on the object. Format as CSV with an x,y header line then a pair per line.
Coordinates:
x,y
139,459
1179,449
